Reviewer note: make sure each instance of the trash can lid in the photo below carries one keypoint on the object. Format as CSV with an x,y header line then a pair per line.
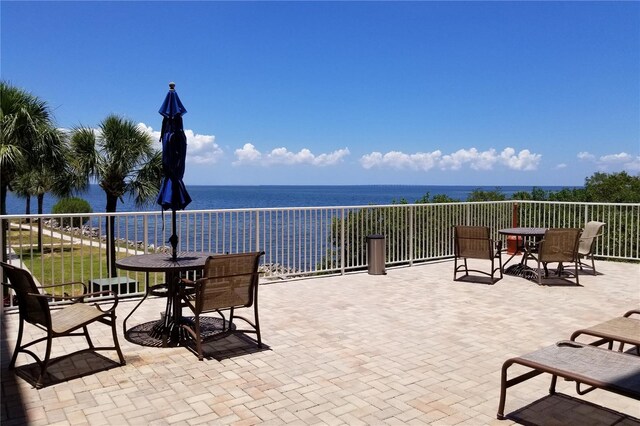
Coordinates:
x,y
375,237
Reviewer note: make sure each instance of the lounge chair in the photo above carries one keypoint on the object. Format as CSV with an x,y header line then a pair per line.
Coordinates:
x,y
473,242
624,329
228,282
588,242
558,245
34,309
597,367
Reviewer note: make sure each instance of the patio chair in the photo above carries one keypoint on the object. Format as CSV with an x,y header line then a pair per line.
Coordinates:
x,y
34,309
558,245
228,282
588,242
473,242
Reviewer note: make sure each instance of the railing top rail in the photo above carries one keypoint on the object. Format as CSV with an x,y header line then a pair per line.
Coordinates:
x,y
260,209
576,203
300,208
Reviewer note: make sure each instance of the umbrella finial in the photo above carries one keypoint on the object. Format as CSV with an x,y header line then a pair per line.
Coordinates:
x,y
172,86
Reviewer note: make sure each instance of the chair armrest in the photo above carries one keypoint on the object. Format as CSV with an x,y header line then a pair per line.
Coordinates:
x,y
79,298
187,282
537,243
100,293
84,286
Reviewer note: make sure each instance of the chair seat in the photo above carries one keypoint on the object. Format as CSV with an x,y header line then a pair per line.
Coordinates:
x,y
72,317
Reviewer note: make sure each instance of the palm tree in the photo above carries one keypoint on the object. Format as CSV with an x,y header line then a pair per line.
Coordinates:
x,y
22,118
121,158
48,170
21,187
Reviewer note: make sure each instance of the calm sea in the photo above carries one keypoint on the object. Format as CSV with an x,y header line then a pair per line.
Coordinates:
x,y
229,197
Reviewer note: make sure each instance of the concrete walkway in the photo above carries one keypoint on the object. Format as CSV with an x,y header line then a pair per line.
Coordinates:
x,y
410,347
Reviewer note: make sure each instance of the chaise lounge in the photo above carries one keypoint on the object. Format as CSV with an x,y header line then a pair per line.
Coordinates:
x,y
624,330
599,368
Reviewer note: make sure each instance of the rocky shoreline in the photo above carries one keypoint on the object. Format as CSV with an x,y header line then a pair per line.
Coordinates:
x,y
267,269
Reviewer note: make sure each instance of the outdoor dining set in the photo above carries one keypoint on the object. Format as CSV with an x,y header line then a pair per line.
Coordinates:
x,y
226,283
541,245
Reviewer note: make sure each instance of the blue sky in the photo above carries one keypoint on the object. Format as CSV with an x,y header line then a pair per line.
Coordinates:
x,y
442,93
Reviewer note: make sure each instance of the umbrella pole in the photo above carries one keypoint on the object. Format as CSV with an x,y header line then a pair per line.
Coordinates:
x,y
174,237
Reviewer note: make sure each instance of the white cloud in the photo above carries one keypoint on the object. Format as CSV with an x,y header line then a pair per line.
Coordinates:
x,y
154,134
476,160
248,154
398,160
616,158
525,160
586,156
331,158
618,161
561,166
201,149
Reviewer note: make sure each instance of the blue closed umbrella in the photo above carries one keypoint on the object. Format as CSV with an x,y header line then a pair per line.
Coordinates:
x,y
173,194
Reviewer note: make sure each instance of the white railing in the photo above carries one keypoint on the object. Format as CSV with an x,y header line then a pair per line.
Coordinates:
x,y
621,236
299,241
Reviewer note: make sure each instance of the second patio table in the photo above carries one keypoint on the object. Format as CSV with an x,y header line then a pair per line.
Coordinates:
x,y
163,262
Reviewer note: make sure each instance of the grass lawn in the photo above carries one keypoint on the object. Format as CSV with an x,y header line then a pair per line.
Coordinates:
x,y
61,261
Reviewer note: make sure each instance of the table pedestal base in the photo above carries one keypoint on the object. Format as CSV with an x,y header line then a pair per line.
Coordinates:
x,y
153,333
521,270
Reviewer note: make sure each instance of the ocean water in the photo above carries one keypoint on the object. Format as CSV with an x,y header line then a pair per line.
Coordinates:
x,y
229,197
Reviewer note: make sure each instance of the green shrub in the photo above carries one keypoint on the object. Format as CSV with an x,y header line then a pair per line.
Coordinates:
x,y
72,205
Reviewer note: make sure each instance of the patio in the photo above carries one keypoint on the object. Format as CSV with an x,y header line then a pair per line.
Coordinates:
x,y
410,347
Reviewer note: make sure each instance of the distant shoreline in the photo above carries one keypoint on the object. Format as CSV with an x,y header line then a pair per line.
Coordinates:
x,y
208,197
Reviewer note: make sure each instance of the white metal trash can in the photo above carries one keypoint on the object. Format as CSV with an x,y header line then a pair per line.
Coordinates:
x,y
376,254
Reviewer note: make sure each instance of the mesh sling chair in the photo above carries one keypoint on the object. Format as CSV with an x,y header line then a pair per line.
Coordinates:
x,y
228,282
588,242
473,242
559,245
34,309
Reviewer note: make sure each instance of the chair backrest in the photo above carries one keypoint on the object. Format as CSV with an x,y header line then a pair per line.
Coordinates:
x,y
559,245
228,281
34,310
472,242
588,237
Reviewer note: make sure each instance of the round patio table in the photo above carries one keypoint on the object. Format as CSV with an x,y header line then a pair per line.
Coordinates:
x,y
169,326
522,234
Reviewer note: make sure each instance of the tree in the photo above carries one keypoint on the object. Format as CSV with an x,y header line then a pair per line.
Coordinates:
x,y
47,169
613,188
482,195
22,118
121,158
